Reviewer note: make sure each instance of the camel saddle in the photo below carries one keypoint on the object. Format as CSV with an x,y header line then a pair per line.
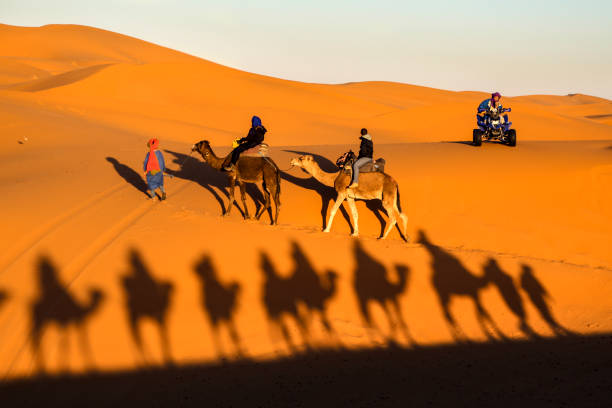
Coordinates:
x,y
377,165
261,150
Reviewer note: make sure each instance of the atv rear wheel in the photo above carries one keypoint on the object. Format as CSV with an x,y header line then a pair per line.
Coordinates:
x,y
477,137
512,137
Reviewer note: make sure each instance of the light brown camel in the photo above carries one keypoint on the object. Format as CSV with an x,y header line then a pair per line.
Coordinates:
x,y
248,169
372,186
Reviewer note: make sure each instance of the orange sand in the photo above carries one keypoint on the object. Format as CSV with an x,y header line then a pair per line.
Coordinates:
x,y
81,95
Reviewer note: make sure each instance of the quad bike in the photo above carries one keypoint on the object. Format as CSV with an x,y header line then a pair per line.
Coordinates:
x,y
490,127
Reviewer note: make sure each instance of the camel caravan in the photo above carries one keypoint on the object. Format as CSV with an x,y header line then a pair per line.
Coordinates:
x,y
359,177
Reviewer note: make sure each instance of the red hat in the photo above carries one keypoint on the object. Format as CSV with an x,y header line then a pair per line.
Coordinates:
x,y
153,143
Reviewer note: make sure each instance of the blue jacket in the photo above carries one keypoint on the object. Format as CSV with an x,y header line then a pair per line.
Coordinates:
x,y
160,160
484,105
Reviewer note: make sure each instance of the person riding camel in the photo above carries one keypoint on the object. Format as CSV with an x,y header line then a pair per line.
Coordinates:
x,y
492,104
366,152
154,167
253,138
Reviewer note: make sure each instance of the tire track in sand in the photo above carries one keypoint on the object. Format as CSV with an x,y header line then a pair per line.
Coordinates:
x,y
27,242
81,262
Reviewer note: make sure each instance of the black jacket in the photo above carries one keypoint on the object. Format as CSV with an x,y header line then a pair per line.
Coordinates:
x,y
255,136
366,149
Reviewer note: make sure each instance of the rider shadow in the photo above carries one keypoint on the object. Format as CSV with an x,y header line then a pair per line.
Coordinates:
x,y
128,174
538,295
55,305
219,302
146,298
4,296
509,293
313,291
280,301
372,286
451,279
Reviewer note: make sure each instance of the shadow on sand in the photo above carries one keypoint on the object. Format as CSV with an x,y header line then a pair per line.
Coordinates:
x,y
568,371
55,305
219,302
130,175
146,298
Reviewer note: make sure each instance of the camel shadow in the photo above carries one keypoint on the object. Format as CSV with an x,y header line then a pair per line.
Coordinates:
x,y
372,286
313,291
146,298
451,279
55,305
129,175
538,295
219,302
280,301
327,193
509,294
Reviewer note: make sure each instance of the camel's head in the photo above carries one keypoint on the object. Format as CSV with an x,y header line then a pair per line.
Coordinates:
x,y
96,297
302,161
202,147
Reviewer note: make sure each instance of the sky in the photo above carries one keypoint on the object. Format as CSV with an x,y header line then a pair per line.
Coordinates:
x,y
516,47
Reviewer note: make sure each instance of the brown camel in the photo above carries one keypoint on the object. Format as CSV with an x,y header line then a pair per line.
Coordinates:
x,y
372,186
248,169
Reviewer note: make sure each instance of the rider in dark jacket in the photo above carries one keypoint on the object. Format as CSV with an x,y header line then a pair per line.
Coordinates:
x,y
253,138
366,152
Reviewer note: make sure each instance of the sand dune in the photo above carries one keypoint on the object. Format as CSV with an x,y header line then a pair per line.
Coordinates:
x,y
78,229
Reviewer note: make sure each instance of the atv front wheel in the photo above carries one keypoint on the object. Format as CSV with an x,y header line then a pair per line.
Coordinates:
x,y
512,137
477,137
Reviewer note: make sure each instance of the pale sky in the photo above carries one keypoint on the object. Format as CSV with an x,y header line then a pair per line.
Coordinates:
x,y
515,47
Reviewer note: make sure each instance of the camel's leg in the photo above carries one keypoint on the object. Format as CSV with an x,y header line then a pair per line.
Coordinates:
x,y
337,205
217,342
267,203
232,185
134,329
231,328
400,320
242,186
355,215
277,202
454,328
36,349
85,347
64,348
165,343
484,316
392,220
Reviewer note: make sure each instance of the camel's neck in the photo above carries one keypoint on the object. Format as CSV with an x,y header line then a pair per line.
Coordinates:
x,y
321,176
212,159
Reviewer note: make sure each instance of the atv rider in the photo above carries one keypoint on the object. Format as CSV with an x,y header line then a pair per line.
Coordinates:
x,y
252,139
366,152
491,105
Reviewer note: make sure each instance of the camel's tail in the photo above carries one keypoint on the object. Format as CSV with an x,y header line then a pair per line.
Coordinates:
x,y
397,200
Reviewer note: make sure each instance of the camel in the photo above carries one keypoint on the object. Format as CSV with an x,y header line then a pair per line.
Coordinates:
x,y
57,305
248,169
372,186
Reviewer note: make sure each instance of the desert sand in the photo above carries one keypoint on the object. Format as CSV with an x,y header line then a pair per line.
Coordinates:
x,y
525,231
